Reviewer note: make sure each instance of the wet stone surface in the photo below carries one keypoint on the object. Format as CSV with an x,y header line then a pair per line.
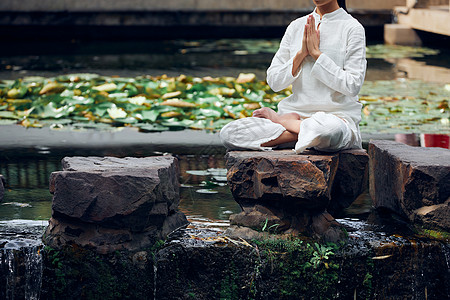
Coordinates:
x,y
21,258
16,234
376,262
411,181
114,203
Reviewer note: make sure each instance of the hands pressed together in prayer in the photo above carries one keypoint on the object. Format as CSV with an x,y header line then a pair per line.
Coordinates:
x,y
310,44
311,39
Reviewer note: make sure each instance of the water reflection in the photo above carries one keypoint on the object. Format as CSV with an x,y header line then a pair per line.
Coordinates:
x,y
424,139
205,197
197,58
435,140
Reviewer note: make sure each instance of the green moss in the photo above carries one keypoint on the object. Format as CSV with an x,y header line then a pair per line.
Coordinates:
x,y
229,285
435,234
301,269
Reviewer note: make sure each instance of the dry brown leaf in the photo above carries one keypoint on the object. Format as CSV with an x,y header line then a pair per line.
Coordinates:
x,y
177,103
245,77
171,95
51,88
252,106
366,111
171,114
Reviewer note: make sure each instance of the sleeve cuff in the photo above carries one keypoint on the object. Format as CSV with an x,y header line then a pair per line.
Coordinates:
x,y
322,64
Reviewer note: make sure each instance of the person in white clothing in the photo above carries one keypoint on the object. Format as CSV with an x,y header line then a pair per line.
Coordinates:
x,y
322,55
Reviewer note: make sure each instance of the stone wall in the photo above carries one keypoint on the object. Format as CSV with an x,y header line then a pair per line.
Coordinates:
x,y
206,265
187,18
183,5
2,187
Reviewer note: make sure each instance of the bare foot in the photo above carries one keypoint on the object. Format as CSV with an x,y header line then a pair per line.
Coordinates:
x,y
266,113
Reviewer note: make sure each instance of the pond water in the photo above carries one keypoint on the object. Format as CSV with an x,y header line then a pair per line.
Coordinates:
x,y
198,58
205,196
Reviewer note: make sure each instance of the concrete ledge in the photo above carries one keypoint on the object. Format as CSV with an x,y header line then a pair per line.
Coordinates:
x,y
194,13
398,34
430,20
182,5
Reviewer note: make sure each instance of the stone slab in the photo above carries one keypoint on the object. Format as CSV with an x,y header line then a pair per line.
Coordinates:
x,y
110,204
182,5
430,20
411,181
18,140
398,34
116,192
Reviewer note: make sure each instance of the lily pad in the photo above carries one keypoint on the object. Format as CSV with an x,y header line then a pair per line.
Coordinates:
x,y
206,103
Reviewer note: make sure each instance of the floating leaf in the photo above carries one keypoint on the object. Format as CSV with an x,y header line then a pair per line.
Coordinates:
x,y
51,88
178,103
171,95
252,106
116,113
396,51
16,93
245,78
106,87
138,100
171,114
153,128
206,191
129,120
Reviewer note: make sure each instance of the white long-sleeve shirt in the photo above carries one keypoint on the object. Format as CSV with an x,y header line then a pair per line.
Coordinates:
x,y
332,82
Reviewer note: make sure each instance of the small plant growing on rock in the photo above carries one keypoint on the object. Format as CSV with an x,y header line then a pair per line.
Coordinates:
x,y
320,255
272,228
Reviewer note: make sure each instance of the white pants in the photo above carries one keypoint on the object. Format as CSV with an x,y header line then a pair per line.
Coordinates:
x,y
322,131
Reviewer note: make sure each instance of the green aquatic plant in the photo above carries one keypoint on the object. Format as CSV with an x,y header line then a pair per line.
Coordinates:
x,y
154,104
383,51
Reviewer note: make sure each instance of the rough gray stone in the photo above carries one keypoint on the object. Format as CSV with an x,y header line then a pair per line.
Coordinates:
x,y
112,203
413,182
104,240
129,193
2,187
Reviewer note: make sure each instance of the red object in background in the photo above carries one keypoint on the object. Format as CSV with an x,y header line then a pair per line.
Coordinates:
x,y
435,140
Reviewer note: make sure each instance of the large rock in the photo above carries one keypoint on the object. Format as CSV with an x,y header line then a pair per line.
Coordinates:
x,y
113,203
411,181
286,191
2,187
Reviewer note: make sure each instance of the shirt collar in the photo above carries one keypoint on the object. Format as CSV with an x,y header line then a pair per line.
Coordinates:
x,y
329,16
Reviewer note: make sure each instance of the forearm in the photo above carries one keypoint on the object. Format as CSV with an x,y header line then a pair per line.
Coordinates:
x,y
297,63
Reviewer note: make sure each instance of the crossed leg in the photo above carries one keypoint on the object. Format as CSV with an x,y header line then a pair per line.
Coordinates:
x,y
290,121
